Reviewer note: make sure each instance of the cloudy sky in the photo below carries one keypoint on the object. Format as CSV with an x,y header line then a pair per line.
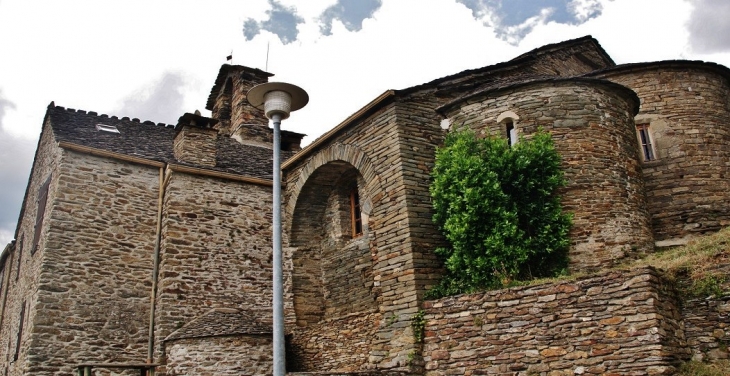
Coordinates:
x,y
156,59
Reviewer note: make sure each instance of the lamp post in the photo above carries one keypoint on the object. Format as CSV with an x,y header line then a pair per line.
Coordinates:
x,y
278,99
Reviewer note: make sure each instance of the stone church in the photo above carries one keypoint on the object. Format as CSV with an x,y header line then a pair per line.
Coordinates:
x,y
142,243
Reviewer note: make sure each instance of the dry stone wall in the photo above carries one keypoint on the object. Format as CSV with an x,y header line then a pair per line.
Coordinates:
x,y
687,108
615,323
96,272
591,123
216,250
707,318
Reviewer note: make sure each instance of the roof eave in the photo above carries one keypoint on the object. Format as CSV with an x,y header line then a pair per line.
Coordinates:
x,y
374,105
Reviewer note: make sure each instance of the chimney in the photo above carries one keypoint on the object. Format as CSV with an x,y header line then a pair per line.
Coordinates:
x,y
196,139
227,102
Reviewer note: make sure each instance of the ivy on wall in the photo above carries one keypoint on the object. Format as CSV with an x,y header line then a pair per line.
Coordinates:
x,y
498,208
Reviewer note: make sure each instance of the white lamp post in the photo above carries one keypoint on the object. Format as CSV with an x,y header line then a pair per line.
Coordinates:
x,y
278,99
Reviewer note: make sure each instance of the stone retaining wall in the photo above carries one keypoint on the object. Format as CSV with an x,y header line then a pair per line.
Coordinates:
x,y
616,323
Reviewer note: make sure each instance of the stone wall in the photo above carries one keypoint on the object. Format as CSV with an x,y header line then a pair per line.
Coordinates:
x,y
615,323
22,266
707,327
687,108
248,122
215,250
707,318
222,355
370,147
591,124
96,272
419,136
341,344
196,145
228,104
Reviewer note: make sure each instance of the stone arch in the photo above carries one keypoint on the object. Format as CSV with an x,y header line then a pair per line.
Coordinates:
x,y
345,153
323,247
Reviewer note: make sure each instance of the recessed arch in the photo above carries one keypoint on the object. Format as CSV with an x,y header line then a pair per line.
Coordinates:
x,y
343,153
324,246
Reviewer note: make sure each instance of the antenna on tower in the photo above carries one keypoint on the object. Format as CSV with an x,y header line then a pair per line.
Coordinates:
x,y
267,56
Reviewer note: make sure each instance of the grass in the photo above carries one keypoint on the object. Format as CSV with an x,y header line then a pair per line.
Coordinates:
x,y
720,368
695,264
692,266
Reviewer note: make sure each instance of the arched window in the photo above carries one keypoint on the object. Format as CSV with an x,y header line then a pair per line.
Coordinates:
x,y
508,122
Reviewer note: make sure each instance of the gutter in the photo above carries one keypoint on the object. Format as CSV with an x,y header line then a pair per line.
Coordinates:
x,y
156,269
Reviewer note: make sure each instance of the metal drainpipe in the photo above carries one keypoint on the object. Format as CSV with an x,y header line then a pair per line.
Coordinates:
x,y
278,309
156,261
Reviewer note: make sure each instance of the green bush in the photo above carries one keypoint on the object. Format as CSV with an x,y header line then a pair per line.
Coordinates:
x,y
498,208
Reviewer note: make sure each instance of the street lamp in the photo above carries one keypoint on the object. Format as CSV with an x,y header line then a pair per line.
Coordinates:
x,y
278,99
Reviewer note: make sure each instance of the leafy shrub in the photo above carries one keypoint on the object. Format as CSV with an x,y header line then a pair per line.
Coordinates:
x,y
498,209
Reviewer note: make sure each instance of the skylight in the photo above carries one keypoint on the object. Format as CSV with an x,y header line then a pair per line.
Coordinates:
x,y
107,128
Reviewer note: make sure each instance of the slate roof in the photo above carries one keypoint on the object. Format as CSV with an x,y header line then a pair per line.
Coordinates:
x,y
225,322
153,141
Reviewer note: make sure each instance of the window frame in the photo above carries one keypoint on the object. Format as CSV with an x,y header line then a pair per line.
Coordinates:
x,y
646,142
355,213
40,213
19,246
20,332
508,122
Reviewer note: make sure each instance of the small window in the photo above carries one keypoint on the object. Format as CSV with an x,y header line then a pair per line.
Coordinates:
x,y
107,128
355,213
42,199
20,257
647,148
508,119
20,333
511,132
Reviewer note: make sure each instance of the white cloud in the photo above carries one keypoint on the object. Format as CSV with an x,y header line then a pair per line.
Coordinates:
x,y
93,55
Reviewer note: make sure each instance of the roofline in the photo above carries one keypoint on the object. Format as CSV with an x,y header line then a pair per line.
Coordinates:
x,y
6,251
171,166
46,119
374,105
219,174
448,106
558,45
635,67
513,63
109,154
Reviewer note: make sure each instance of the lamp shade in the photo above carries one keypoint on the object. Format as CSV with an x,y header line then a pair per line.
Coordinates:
x,y
277,98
